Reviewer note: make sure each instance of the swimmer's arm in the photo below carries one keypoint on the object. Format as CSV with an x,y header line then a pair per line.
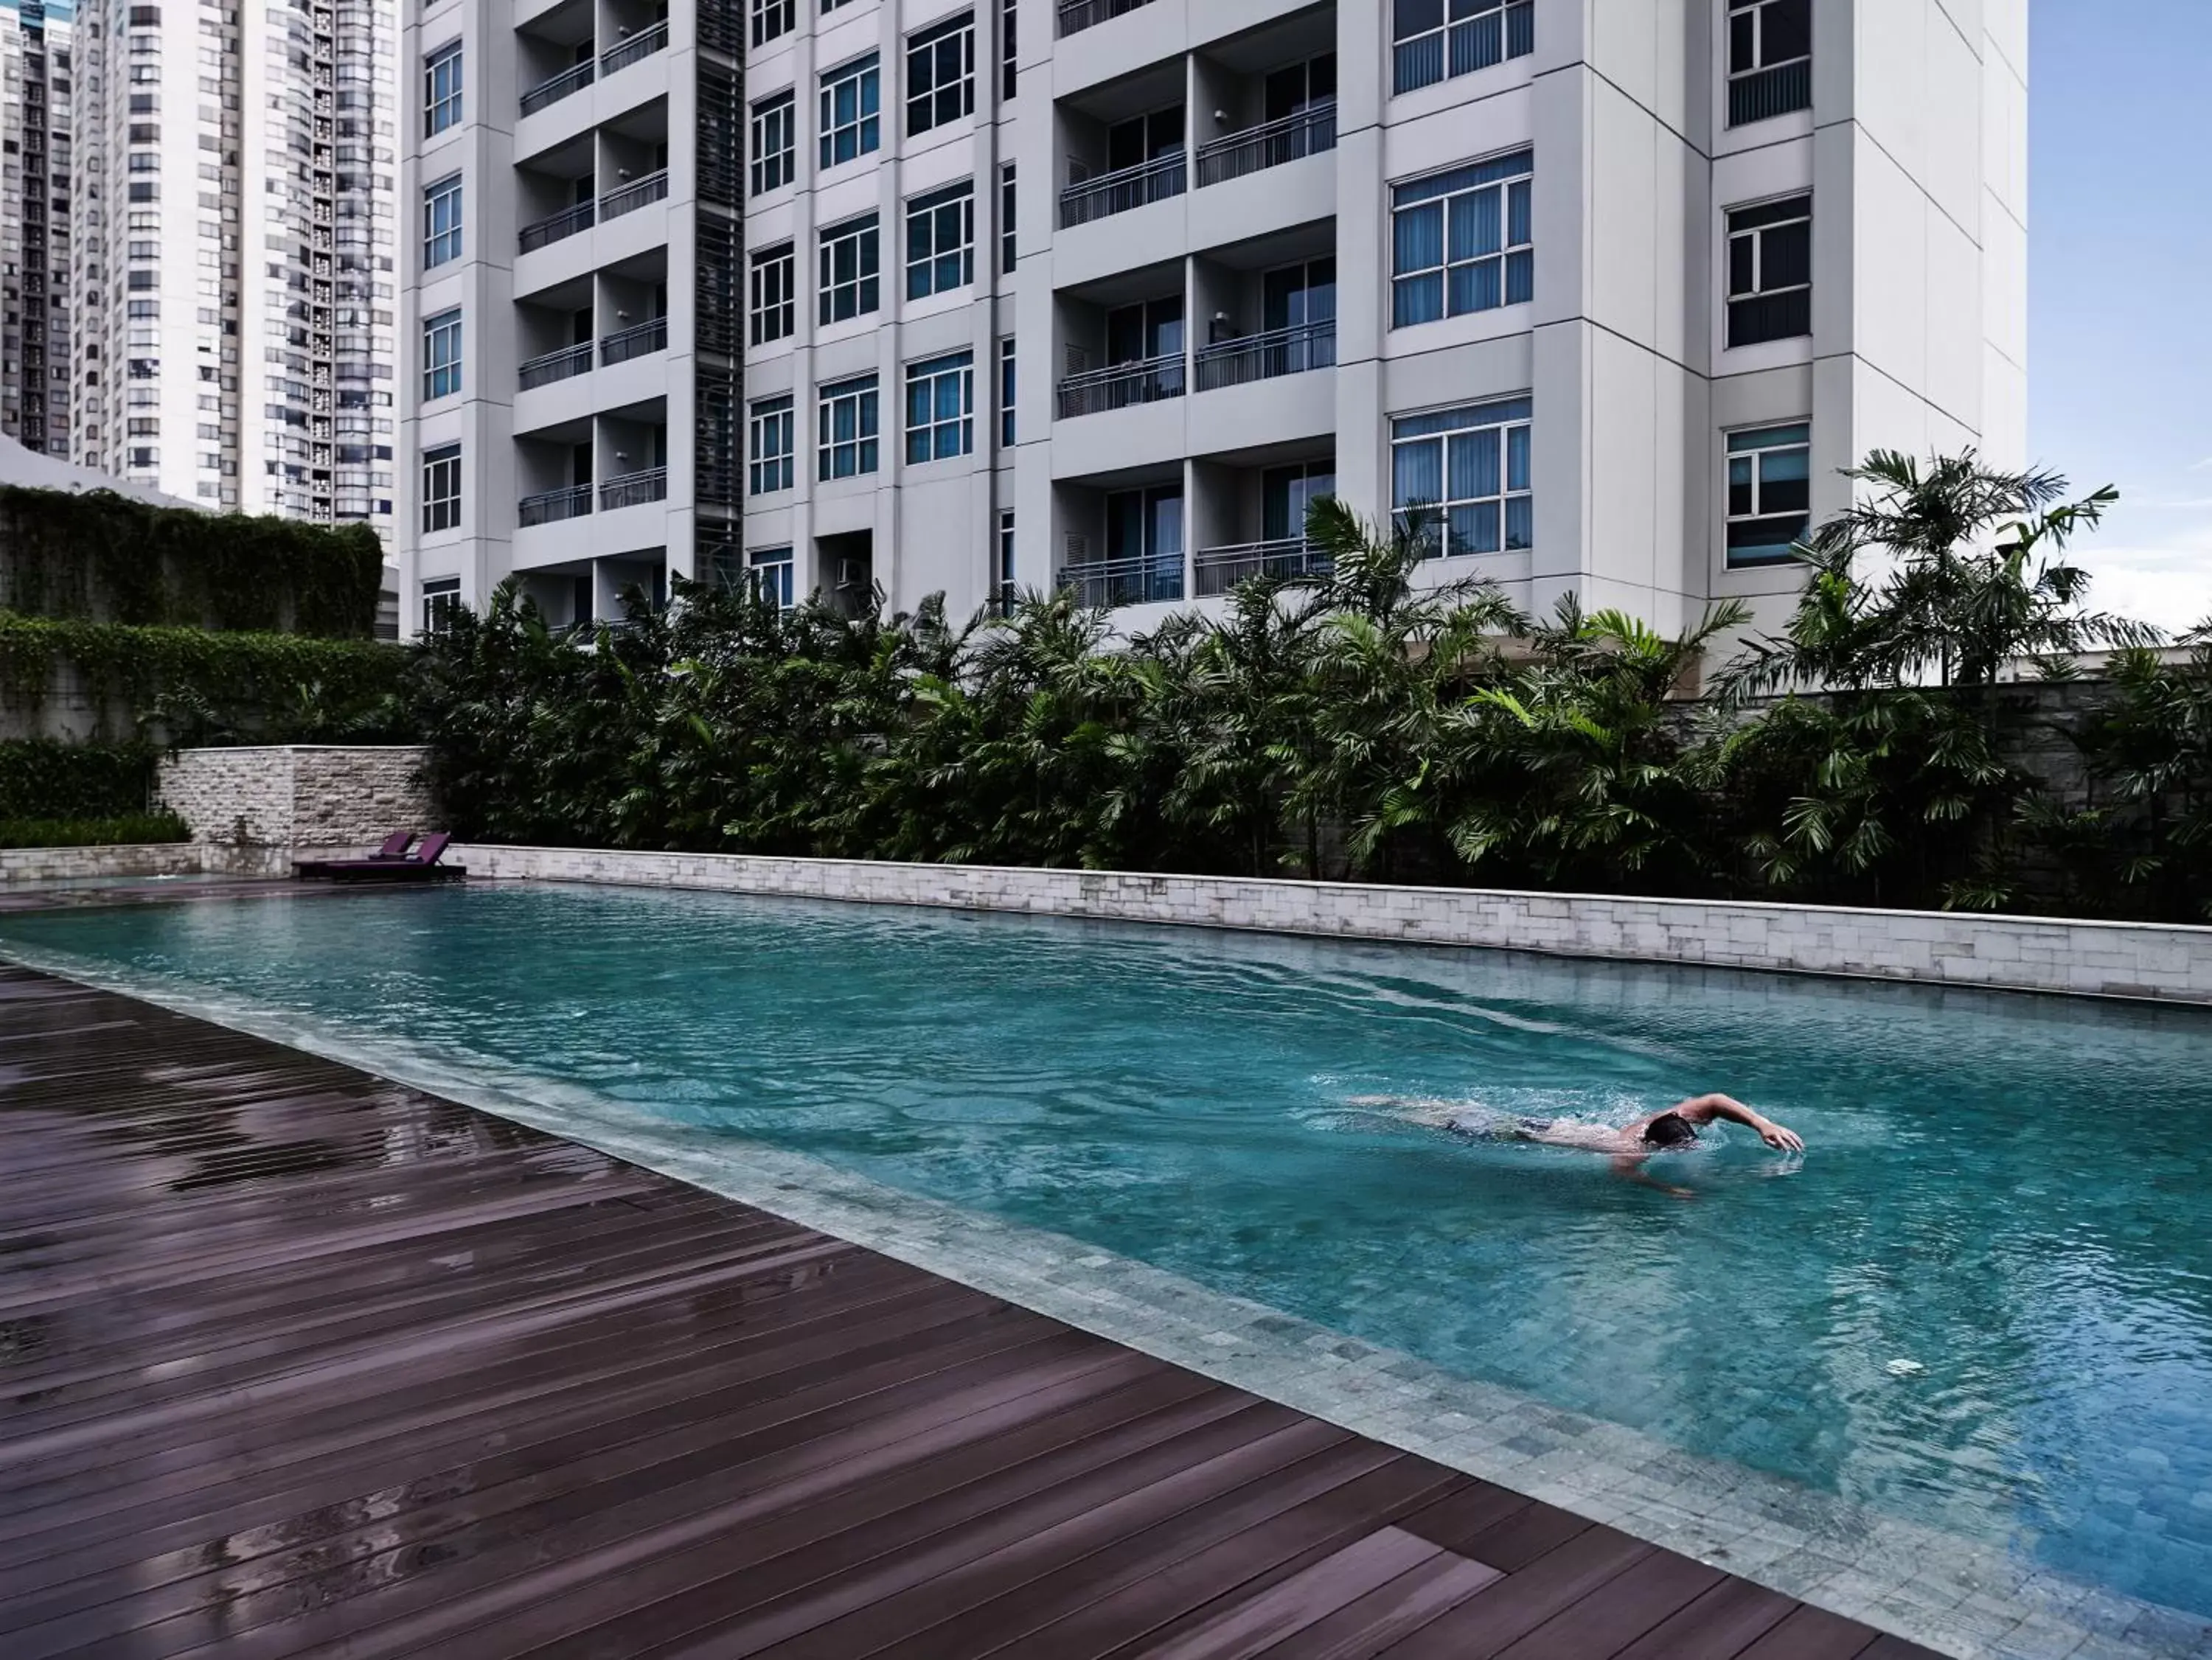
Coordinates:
x,y
1632,1169
1703,1109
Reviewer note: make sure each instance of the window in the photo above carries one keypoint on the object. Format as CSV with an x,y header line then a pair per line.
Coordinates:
x,y
1007,219
1288,494
1438,38
849,259
441,603
1003,570
772,20
940,75
846,428
940,403
441,90
1469,469
1770,492
940,240
1770,58
1009,57
441,487
771,573
1770,271
771,438
441,221
775,142
1006,392
1460,241
850,124
774,279
441,354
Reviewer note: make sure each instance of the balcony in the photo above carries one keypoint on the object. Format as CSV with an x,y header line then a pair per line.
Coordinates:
x,y
640,341
1106,584
546,232
555,365
550,506
628,198
635,50
1107,193
1290,559
1293,138
634,489
1077,15
1264,356
1121,386
546,93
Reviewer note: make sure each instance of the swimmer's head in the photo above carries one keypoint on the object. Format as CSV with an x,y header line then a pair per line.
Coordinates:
x,y
1669,1130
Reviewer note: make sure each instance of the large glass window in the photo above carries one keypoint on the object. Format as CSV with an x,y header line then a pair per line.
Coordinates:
x,y
441,90
1143,538
441,603
441,354
940,408
851,121
1285,494
1006,202
771,444
940,74
1009,54
1461,241
846,428
1770,271
850,282
1770,58
441,487
775,142
772,575
1770,492
1006,392
441,221
940,240
1466,470
773,20
1434,38
772,308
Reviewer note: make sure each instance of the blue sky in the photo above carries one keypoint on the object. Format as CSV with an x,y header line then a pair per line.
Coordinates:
x,y
2119,369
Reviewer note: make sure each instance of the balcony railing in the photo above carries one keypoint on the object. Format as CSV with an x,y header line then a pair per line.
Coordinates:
x,y
628,198
1122,385
1264,356
1770,91
549,506
1287,558
1293,138
633,489
1077,15
623,53
626,343
544,371
547,232
548,92
1104,583
1108,193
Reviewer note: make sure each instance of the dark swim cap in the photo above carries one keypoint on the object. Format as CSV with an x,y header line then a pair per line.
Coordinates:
x,y
1669,1130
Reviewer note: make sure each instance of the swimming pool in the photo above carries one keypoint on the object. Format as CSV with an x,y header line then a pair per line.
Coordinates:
x,y
1981,1301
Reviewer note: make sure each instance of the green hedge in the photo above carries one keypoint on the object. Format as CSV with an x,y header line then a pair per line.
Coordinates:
x,y
98,555
125,830
43,778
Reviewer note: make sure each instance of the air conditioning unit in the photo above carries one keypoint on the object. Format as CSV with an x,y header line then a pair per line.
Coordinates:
x,y
852,571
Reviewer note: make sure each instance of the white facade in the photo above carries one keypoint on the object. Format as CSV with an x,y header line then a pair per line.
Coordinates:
x,y
37,89
1263,248
233,253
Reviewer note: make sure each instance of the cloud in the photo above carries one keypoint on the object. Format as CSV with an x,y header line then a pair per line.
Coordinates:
x,y
2167,580
2203,466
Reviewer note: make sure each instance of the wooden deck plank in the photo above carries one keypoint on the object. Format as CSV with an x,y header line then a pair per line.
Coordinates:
x,y
300,1360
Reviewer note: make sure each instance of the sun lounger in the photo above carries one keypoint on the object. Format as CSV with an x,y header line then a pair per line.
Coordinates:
x,y
395,845
419,866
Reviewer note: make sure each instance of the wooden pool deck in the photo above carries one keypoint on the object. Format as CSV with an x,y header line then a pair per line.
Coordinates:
x,y
298,1361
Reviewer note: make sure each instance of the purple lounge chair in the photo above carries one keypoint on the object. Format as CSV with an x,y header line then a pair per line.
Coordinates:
x,y
419,866
395,845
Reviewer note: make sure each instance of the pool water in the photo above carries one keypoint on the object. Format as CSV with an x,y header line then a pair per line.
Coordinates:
x,y
1982,1299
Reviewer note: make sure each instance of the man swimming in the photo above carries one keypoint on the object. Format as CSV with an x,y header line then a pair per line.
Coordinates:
x,y
1676,1127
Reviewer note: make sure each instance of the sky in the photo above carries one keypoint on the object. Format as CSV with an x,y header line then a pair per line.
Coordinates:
x,y
2119,295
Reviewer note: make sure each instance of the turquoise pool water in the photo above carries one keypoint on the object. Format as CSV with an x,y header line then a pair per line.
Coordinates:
x,y
2009,1193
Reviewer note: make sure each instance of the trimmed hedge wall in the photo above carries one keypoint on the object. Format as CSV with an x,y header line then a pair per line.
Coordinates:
x,y
46,779
102,556
130,830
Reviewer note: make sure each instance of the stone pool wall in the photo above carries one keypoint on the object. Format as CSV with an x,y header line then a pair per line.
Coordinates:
x,y
161,858
298,796
2124,959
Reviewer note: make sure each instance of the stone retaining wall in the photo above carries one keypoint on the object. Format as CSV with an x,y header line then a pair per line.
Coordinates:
x,y
2122,959
298,796
163,858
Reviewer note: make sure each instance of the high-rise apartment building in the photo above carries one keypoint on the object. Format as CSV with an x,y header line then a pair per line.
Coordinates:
x,y
1099,293
234,247
37,86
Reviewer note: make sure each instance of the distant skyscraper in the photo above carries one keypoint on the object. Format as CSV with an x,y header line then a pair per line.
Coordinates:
x,y
35,75
234,253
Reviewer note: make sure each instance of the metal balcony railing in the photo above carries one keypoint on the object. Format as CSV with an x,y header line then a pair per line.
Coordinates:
x,y
1105,584
1264,356
1122,385
633,489
628,198
545,370
567,223
623,53
1293,138
1107,193
1287,558
550,92
1775,90
1077,15
549,507
626,343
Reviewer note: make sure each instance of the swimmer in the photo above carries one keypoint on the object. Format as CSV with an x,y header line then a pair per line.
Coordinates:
x,y
1676,1127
